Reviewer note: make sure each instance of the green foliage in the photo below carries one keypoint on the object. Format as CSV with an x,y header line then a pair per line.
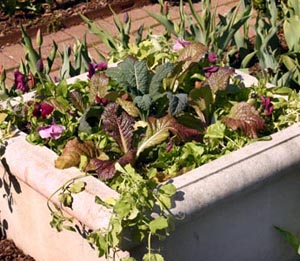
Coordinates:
x,y
27,6
203,27
291,239
291,24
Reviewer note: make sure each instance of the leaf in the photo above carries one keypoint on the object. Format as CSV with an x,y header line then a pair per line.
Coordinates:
x,y
77,101
192,54
143,102
290,238
158,224
157,132
202,100
129,107
178,103
118,125
219,80
245,117
90,119
98,86
215,131
66,199
182,132
153,257
77,187
70,156
132,75
161,72
106,169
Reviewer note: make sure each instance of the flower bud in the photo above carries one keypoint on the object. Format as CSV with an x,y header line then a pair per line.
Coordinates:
x,y
2,74
40,65
166,8
39,38
125,17
30,80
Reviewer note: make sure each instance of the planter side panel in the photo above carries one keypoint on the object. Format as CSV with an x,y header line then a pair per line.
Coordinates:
x,y
241,228
26,218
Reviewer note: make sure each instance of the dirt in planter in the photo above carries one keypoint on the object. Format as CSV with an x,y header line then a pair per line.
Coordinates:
x,y
9,252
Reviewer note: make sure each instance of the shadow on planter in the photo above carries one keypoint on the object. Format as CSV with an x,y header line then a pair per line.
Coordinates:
x,y
9,182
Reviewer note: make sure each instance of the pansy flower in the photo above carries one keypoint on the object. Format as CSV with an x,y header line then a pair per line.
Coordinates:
x,y
267,105
20,81
96,67
210,70
179,44
42,110
212,57
52,131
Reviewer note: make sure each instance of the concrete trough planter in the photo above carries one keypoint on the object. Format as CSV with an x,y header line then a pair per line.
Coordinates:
x,y
226,209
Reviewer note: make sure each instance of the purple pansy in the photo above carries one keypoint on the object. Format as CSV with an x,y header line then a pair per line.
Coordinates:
x,y
51,131
179,44
20,81
209,70
267,105
42,110
96,67
212,58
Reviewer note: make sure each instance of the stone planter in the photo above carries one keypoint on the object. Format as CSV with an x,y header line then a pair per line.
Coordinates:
x,y
226,209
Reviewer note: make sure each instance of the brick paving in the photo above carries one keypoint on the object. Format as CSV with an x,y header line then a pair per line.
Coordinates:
x,y
11,56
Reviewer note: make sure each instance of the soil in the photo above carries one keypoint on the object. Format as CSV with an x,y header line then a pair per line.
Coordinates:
x,y
53,17
9,252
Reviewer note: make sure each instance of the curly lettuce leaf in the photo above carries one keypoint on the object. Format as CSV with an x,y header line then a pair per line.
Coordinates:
x,y
119,125
244,116
105,169
192,54
77,101
73,151
219,80
98,86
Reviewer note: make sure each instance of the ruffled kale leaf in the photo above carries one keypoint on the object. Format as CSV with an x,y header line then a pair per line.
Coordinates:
x,y
178,103
119,125
132,75
143,85
143,102
219,80
73,151
244,116
161,72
